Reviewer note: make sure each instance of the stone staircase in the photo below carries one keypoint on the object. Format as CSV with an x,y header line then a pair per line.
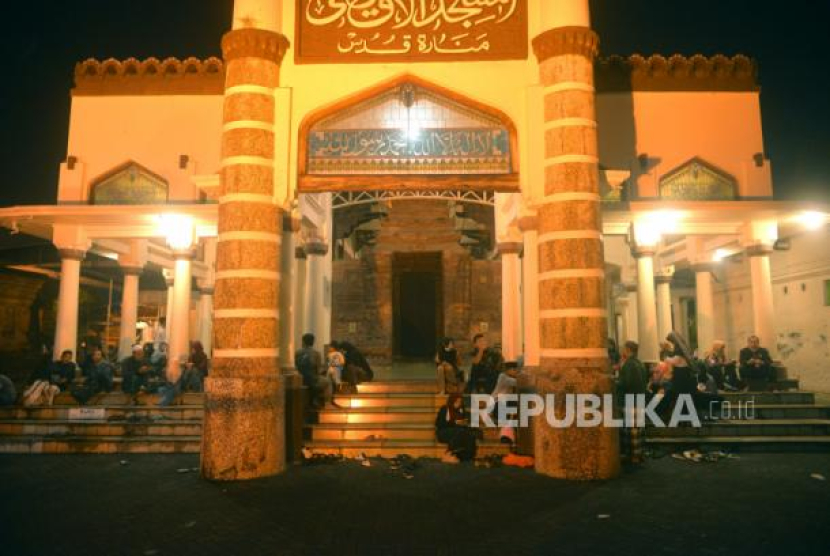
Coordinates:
x,y
387,419
384,418
773,421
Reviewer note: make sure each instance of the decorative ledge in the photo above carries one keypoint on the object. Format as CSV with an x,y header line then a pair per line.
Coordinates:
x,y
149,77
676,73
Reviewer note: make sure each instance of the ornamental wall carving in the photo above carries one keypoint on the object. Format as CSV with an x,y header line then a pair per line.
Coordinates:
x,y
676,73
149,77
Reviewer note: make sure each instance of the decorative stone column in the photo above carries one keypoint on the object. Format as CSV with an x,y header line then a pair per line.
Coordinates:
x,y
179,334
316,320
646,305
663,280
763,313
511,326
572,313
66,325
129,310
243,432
705,305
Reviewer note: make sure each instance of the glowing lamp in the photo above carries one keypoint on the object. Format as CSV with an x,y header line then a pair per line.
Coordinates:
x,y
812,220
178,230
720,254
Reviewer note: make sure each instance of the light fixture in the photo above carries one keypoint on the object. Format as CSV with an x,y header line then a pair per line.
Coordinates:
x,y
720,254
812,219
651,227
178,230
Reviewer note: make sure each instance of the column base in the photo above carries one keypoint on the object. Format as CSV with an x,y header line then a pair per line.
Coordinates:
x,y
580,454
243,434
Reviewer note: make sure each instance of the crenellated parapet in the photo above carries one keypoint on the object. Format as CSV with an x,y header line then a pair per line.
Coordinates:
x,y
676,73
152,76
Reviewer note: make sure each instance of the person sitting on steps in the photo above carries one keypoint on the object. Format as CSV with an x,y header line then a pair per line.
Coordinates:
x,y
450,376
357,368
756,363
452,427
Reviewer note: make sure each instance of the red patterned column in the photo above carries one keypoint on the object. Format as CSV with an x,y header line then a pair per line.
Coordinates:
x,y
572,308
243,431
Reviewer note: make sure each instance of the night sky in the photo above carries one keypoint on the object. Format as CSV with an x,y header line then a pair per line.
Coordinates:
x,y
43,39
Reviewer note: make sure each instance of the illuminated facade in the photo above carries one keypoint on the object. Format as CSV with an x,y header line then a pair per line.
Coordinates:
x,y
617,188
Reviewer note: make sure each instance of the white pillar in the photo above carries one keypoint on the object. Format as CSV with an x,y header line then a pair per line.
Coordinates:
x,y
300,291
66,326
206,319
762,306
646,306
511,327
168,315
316,320
179,334
287,302
705,304
129,311
664,318
530,289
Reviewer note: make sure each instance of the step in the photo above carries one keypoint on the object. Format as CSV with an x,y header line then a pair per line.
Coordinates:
x,y
392,448
120,398
776,411
771,398
395,399
44,427
746,443
117,412
391,431
377,415
99,445
399,386
749,427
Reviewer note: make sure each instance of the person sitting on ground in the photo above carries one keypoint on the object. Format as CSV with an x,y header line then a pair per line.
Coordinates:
x,y
357,368
452,427
632,381
63,370
8,395
135,371
335,363
450,376
101,372
755,361
195,369
487,364
309,364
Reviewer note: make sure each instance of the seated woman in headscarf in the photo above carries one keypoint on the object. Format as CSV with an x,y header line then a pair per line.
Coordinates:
x,y
450,376
720,369
452,427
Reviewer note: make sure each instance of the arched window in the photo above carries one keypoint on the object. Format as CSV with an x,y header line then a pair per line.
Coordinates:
x,y
129,184
697,180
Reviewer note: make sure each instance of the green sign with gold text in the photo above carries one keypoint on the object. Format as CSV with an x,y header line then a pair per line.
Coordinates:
x,y
366,31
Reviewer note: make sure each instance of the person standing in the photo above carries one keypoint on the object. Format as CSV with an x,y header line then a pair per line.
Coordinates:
x,y
632,381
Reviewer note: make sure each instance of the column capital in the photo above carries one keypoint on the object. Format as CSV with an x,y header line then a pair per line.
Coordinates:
x,y
73,254
299,252
630,288
509,247
290,222
206,290
566,40
316,248
663,278
132,270
169,280
702,267
758,250
641,251
254,43
528,222
183,254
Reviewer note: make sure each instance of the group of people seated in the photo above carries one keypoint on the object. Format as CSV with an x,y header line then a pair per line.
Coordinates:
x,y
489,374
344,368
144,371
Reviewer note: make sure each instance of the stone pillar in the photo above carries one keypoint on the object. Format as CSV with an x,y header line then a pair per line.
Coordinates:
x,y
705,303
287,292
528,224
179,329
664,319
243,431
206,319
168,314
129,310
572,313
300,287
646,305
511,326
66,325
763,315
316,319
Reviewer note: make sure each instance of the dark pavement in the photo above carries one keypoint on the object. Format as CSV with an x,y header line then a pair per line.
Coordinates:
x,y
93,505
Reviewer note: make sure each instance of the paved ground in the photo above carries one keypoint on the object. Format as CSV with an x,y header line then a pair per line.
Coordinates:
x,y
92,505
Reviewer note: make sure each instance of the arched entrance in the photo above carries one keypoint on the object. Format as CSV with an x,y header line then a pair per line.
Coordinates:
x,y
412,170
